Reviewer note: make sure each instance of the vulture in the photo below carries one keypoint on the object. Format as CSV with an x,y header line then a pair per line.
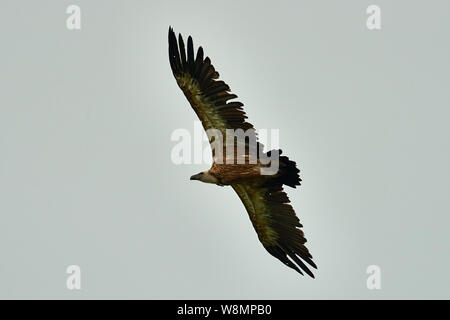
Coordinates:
x,y
267,204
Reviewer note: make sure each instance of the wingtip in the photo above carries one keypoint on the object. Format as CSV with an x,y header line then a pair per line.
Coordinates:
x,y
310,274
310,262
306,270
171,35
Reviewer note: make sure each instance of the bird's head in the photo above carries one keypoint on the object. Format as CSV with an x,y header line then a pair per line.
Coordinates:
x,y
206,177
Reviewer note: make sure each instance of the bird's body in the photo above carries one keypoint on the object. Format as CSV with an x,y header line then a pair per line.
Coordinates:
x,y
229,174
267,204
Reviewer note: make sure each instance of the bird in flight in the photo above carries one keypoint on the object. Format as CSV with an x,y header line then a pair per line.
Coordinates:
x,y
267,204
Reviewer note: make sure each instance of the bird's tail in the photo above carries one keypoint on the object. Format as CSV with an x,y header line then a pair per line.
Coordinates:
x,y
288,173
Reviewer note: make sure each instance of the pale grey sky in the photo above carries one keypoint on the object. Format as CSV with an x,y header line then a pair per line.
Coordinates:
x,y
86,177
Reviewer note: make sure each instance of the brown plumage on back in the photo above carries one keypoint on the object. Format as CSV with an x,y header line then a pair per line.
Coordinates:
x,y
267,204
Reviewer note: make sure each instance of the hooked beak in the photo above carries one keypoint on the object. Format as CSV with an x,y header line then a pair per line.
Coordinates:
x,y
196,176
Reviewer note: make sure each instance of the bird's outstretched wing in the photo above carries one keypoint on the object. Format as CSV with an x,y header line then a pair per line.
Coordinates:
x,y
208,96
276,224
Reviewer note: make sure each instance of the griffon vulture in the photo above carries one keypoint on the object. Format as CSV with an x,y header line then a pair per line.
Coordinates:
x,y
266,202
